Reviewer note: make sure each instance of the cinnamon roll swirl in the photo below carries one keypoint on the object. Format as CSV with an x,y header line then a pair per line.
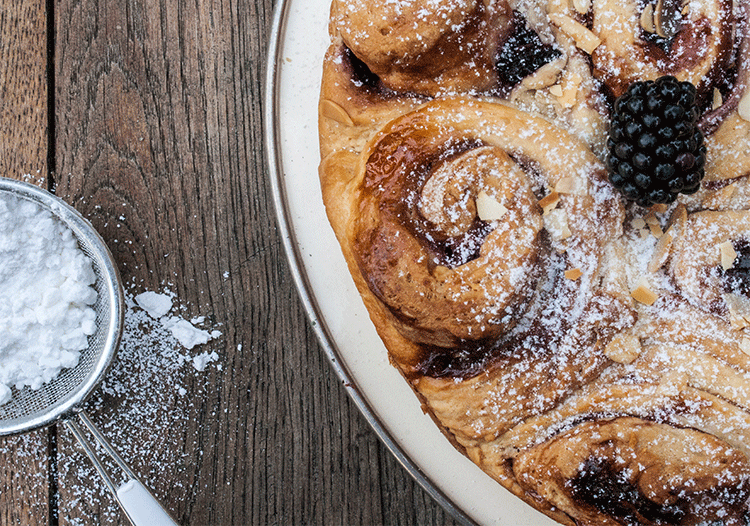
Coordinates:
x,y
632,471
425,47
645,40
451,210
727,126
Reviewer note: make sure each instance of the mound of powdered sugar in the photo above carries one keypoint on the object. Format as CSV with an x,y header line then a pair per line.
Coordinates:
x,y
158,306
45,296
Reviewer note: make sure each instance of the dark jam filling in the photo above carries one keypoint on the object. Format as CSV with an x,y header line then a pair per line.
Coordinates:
x,y
671,22
361,74
470,358
454,251
523,53
737,278
600,485
725,84
466,361
448,251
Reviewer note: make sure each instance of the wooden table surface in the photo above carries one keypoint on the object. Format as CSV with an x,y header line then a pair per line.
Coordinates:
x,y
146,115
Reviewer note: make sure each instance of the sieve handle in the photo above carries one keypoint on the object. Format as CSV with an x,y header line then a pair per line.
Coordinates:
x,y
140,505
137,503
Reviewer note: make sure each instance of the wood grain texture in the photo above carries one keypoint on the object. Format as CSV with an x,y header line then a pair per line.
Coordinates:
x,y
158,140
24,460
23,90
24,482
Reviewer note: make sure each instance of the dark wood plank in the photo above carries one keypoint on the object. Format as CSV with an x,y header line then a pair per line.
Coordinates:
x,y
23,90
24,486
24,460
159,142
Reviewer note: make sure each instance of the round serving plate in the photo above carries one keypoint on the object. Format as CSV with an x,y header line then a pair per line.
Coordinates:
x,y
298,43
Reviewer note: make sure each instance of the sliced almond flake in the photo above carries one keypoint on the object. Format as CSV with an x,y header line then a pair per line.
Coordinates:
x,y
624,348
582,6
728,255
737,323
739,310
743,108
566,185
556,90
573,274
570,87
658,208
745,345
638,223
665,23
583,37
651,218
331,110
661,252
545,76
644,294
658,19
656,230
647,19
677,220
556,223
717,99
489,208
549,202
569,96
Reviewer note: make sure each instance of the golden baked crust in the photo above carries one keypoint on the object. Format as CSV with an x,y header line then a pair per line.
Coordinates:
x,y
424,47
590,355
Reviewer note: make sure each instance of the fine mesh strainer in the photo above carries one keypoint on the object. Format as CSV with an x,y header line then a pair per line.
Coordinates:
x,y
63,397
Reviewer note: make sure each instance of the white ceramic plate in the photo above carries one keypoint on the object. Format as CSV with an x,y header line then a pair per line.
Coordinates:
x,y
298,43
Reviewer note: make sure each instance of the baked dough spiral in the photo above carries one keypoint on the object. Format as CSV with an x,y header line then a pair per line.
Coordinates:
x,y
692,41
727,129
423,47
592,358
445,274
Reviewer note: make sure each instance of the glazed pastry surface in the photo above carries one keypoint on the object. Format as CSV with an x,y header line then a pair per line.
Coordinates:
x,y
589,354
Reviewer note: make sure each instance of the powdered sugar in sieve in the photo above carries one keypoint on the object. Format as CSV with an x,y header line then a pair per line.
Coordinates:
x,y
46,296
61,391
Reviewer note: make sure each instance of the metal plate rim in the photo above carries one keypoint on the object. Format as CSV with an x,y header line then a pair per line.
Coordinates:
x,y
273,158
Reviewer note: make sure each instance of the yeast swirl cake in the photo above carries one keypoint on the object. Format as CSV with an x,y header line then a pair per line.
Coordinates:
x,y
589,352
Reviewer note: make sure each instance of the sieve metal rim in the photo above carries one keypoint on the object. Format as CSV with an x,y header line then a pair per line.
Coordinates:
x,y
107,271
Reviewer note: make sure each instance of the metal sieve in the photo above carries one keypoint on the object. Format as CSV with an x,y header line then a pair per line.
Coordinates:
x,y
61,399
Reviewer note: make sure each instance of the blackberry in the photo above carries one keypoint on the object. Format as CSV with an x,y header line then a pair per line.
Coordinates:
x,y
523,53
656,150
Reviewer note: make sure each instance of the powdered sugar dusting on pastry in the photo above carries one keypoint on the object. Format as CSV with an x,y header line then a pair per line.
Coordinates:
x,y
589,354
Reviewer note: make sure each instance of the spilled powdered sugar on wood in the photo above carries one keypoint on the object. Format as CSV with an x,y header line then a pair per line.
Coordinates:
x,y
142,397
